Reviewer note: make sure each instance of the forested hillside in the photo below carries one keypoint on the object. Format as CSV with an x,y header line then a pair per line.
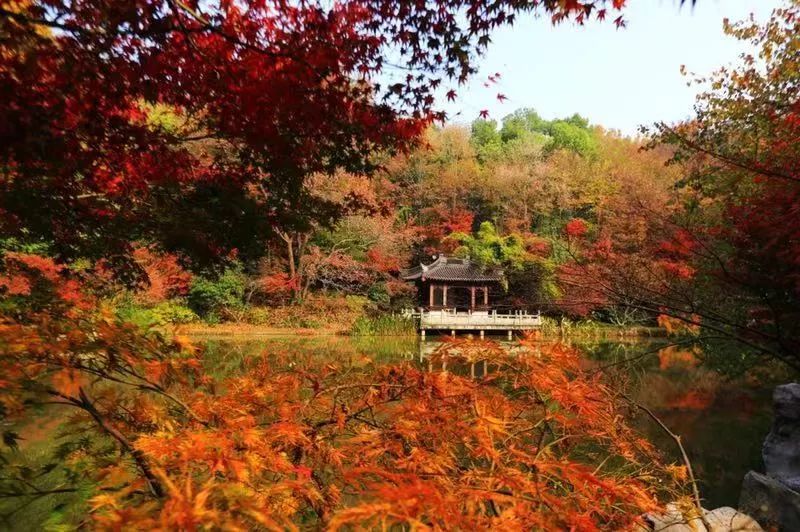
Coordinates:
x,y
514,193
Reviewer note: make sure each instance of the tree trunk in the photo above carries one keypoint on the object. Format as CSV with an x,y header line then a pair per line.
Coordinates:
x,y
290,256
288,238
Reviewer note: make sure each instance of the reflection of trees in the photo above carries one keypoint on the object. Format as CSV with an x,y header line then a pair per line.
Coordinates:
x,y
722,422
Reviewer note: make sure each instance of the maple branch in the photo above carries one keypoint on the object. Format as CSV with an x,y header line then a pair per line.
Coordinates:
x,y
30,21
145,385
141,461
357,385
738,333
37,493
84,403
206,25
154,387
80,30
746,165
353,415
684,456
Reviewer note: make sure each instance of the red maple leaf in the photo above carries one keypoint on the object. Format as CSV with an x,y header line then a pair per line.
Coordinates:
x,y
451,95
502,97
484,113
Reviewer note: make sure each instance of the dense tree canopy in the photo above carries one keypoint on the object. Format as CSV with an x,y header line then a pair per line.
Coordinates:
x,y
260,95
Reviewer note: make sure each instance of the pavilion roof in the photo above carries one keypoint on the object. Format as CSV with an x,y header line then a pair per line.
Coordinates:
x,y
452,269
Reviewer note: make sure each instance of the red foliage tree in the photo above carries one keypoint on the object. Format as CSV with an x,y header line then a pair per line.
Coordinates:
x,y
735,269
165,276
576,228
441,222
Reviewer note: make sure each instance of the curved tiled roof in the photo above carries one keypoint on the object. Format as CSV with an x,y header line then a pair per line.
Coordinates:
x,y
451,269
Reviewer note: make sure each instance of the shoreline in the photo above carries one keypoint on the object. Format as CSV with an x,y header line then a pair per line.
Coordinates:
x,y
244,329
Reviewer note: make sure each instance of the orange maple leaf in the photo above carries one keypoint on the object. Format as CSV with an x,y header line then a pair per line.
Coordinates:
x,y
67,381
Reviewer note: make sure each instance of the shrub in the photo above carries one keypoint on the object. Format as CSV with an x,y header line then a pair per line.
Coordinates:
x,y
316,311
166,277
385,325
220,298
378,293
173,312
164,313
259,316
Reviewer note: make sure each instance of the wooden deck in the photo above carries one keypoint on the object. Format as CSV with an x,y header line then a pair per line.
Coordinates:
x,y
477,320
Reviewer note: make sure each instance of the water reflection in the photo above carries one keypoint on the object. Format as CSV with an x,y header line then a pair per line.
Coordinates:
x,y
723,422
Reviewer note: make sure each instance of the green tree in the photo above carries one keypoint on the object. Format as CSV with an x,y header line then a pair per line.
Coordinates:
x,y
488,248
567,135
521,121
486,140
572,133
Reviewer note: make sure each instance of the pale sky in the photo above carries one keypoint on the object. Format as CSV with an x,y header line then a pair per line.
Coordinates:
x,y
617,78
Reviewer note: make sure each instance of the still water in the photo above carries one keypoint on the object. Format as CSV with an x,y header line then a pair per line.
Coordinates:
x,y
722,422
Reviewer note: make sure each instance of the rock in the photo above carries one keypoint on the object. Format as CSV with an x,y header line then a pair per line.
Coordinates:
x,y
729,519
786,401
773,504
723,519
774,499
673,520
781,449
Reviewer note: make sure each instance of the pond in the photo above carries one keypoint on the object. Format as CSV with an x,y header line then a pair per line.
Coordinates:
x,y
722,422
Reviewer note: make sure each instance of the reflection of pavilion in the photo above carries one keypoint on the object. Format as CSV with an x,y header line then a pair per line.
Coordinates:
x,y
475,369
427,349
453,294
427,352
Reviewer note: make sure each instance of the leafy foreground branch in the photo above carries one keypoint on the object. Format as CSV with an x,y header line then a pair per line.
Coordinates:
x,y
286,441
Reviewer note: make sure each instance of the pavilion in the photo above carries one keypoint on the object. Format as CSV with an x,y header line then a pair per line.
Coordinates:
x,y
453,283
453,294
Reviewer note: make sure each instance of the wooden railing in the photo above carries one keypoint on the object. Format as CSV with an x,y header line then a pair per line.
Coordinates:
x,y
477,320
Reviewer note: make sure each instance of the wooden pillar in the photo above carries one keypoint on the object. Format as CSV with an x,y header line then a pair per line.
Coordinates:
x,y
430,288
422,334
472,296
444,295
486,296
510,335
453,333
